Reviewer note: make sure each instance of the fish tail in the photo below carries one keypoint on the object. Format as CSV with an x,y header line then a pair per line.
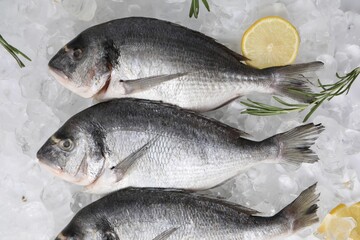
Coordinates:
x,y
302,211
294,145
290,80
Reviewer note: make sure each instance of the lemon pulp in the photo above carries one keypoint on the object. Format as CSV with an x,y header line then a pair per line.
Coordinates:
x,y
341,223
270,41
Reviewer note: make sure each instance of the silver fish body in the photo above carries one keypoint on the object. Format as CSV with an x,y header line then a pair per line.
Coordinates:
x,y
148,214
158,60
139,143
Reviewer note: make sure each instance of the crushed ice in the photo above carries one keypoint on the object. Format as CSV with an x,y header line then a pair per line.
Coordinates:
x,y
36,205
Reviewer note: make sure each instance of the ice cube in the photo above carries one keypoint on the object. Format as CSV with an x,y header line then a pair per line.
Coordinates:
x,y
350,5
328,73
81,199
175,1
82,9
328,6
351,141
354,118
287,184
274,9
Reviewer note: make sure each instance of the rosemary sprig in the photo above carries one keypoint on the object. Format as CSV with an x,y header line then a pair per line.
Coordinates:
x,y
13,51
328,92
261,109
195,8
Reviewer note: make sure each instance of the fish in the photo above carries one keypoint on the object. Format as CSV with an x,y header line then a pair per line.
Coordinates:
x,y
141,143
157,60
154,214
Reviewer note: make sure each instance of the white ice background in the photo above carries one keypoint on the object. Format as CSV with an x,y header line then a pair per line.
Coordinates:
x,y
34,204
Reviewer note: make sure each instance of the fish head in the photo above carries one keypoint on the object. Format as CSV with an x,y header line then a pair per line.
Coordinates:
x,y
93,228
83,65
73,155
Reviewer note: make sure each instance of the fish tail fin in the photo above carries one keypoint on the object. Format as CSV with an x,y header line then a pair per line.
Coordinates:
x,y
294,145
290,80
302,211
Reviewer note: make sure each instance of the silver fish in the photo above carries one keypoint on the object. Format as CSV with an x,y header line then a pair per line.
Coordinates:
x,y
154,214
139,143
157,60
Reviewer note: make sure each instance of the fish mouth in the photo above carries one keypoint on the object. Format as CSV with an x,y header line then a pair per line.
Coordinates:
x,y
58,171
66,81
59,76
82,91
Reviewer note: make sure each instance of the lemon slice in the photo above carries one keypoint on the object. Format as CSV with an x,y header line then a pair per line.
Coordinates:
x,y
341,223
270,41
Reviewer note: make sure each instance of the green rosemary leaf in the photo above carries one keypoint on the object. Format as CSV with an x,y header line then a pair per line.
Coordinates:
x,y
191,13
289,104
206,4
313,109
13,52
195,7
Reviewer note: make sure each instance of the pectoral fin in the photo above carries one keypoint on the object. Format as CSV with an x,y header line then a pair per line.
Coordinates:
x,y
126,164
141,84
165,234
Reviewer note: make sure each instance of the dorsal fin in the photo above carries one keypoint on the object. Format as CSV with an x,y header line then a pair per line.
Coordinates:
x,y
224,202
195,33
236,55
204,196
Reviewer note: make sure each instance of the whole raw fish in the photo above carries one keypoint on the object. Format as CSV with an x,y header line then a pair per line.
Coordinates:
x,y
155,214
157,60
140,143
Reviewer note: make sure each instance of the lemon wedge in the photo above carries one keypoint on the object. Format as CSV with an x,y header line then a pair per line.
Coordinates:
x,y
270,41
342,223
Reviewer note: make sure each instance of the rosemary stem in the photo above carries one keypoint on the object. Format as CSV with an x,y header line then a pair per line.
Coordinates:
x,y
13,51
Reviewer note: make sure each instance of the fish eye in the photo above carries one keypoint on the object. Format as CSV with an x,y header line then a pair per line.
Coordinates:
x,y
77,53
66,144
